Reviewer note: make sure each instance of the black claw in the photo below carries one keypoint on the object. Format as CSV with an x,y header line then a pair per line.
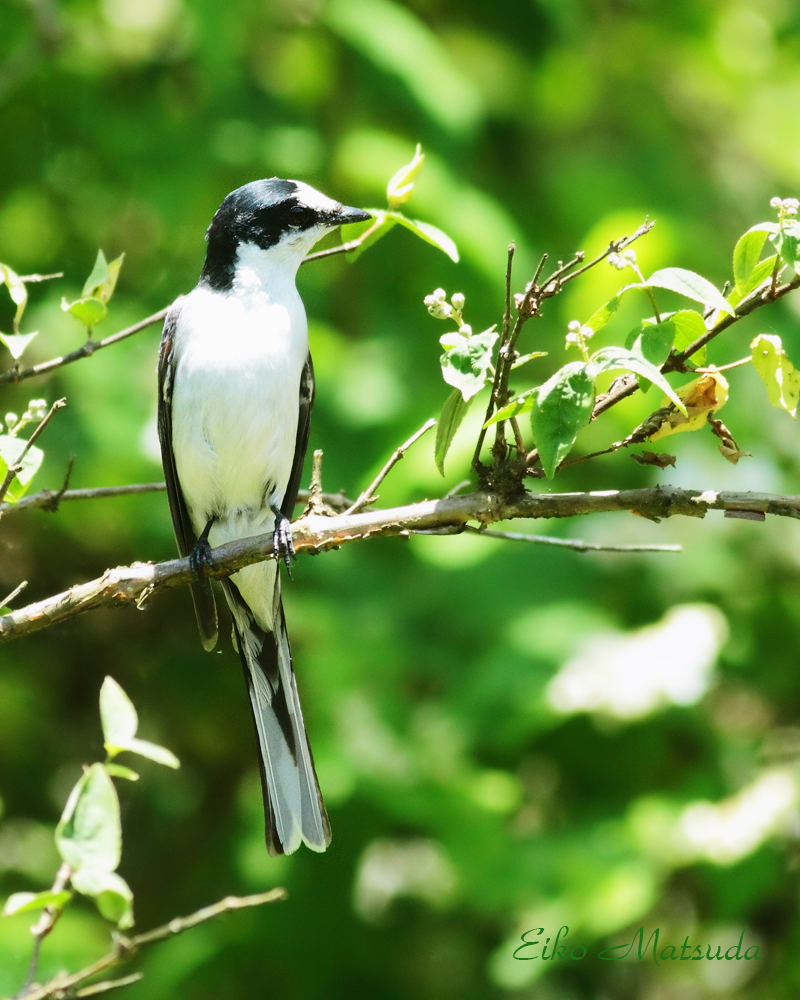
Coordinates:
x,y
282,539
200,556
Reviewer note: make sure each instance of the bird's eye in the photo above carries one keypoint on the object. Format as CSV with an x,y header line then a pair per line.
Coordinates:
x,y
299,216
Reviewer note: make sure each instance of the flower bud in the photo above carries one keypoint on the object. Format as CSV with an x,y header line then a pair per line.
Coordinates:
x,y
775,202
458,301
11,420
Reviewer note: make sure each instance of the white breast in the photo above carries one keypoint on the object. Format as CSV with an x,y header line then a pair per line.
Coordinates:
x,y
240,355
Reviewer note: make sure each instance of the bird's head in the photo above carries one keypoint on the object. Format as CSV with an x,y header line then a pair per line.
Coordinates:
x,y
275,220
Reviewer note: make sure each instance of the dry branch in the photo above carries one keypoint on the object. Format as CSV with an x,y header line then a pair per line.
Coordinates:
x,y
314,533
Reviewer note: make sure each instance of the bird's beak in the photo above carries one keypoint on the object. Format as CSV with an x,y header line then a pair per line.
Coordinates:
x,y
344,215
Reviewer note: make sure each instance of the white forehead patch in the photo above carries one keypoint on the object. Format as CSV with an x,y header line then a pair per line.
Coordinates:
x,y
314,199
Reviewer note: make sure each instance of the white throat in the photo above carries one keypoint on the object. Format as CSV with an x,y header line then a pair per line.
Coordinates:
x,y
273,270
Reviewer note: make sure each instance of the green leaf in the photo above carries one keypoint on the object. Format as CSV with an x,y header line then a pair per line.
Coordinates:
x,y
117,715
17,291
560,408
11,449
525,358
522,404
97,277
380,225
604,313
762,272
110,891
787,242
89,834
86,311
612,358
652,341
692,285
118,771
453,412
153,752
689,327
400,187
17,342
777,372
745,256
429,233
26,902
465,366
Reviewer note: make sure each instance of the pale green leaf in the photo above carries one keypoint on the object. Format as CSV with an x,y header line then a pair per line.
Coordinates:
x,y
525,358
522,404
86,311
745,256
777,372
106,289
787,242
561,407
761,274
89,834
400,187
652,341
98,275
11,449
453,412
117,715
693,286
611,358
428,233
689,327
110,891
17,291
153,752
16,343
118,771
27,902
466,366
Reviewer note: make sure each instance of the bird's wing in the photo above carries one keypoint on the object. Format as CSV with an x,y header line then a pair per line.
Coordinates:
x,y
301,442
202,594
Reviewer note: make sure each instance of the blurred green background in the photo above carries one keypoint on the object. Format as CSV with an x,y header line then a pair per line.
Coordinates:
x,y
506,736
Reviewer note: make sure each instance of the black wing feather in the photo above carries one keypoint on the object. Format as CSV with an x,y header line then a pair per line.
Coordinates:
x,y
301,443
202,594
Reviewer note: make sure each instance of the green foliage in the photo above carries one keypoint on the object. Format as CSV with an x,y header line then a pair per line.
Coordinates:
x,y
453,412
559,409
777,372
92,307
11,449
423,664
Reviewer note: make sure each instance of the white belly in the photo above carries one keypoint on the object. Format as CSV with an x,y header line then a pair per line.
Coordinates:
x,y
235,406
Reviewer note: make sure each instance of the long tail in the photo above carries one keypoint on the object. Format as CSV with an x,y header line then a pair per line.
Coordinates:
x,y
293,806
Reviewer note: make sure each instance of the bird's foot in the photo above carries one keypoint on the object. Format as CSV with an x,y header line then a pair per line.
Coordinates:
x,y
200,556
282,539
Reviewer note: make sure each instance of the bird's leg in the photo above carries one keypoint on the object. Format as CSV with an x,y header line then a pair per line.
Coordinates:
x,y
282,539
200,556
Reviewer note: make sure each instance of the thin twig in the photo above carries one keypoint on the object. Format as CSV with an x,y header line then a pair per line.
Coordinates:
x,y
615,246
109,984
32,278
13,470
369,496
62,984
14,593
42,928
138,583
571,543
47,498
89,348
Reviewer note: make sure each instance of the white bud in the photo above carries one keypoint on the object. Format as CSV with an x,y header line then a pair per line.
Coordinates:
x,y
616,261
574,325
11,420
440,293
587,332
466,329
775,202
791,203
572,338
630,256
458,301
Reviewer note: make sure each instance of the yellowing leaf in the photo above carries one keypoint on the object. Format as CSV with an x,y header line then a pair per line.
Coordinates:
x,y
777,372
702,397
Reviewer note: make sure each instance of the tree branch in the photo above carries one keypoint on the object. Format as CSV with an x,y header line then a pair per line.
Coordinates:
x,y
136,584
16,375
576,544
62,985
14,469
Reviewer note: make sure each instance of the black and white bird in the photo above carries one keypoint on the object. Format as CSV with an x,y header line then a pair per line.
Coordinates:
x,y
235,391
